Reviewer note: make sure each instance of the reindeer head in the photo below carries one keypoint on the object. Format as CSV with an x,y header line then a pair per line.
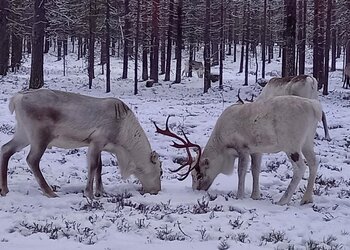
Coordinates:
x,y
151,180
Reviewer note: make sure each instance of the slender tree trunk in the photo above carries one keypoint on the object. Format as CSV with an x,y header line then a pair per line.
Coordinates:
x,y
37,64
65,46
321,73
190,60
4,37
47,44
108,41
247,43
316,58
155,40
334,37
222,46
302,35
169,42
263,41
207,39
235,34
137,35
126,39
92,30
327,46
29,45
270,46
144,40
230,35
288,61
59,49
72,39
80,47
179,42
162,55
16,55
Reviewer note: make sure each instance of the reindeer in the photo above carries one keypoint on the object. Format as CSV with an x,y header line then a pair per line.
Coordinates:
x,y
347,76
197,66
276,124
302,85
47,118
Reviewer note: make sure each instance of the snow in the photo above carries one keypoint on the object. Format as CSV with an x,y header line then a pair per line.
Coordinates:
x,y
178,217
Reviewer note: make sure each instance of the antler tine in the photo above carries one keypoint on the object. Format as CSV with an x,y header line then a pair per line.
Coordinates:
x,y
189,162
239,98
167,131
184,175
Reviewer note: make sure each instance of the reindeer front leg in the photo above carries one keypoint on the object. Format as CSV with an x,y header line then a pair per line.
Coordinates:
x,y
256,163
93,157
243,159
98,179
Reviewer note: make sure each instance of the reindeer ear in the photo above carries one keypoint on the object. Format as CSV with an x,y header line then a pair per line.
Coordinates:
x,y
154,157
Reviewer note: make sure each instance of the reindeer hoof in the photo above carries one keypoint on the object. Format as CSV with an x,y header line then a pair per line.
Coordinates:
x,y
51,195
306,201
88,195
255,196
4,191
282,202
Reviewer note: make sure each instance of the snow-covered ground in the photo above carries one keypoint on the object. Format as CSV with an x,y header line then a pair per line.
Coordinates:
x,y
178,217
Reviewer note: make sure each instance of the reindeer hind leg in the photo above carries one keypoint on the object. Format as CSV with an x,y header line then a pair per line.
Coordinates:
x,y
18,142
299,168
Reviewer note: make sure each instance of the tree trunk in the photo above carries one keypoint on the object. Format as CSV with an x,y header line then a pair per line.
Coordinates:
x,y
321,73
179,42
4,37
190,60
59,49
263,41
327,46
169,42
92,30
302,35
144,41
47,44
137,47
126,39
334,37
207,38
65,46
162,55
316,58
16,55
155,40
108,41
222,46
247,13
37,64
288,60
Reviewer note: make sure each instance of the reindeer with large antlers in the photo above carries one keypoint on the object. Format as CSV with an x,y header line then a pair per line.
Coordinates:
x,y
276,124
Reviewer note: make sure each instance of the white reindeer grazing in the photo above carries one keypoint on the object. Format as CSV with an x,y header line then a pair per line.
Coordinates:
x,y
277,124
197,66
302,85
347,76
48,118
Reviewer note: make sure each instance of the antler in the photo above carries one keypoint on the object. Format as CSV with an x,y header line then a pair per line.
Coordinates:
x,y
239,98
186,144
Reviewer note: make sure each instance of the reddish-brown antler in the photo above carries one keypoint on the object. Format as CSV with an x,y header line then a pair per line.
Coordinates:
x,y
186,144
